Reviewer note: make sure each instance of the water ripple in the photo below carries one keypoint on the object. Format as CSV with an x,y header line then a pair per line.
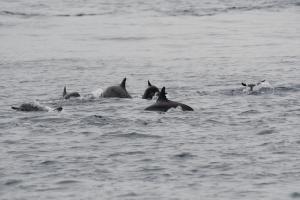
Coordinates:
x,y
133,135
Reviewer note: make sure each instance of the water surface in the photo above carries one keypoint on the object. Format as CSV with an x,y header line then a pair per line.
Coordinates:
x,y
235,145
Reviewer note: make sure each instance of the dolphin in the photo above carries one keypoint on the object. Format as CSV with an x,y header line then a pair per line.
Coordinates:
x,y
150,91
69,95
252,85
32,107
117,91
163,104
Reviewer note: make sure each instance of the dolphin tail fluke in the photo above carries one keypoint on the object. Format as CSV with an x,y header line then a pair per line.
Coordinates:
x,y
123,83
244,84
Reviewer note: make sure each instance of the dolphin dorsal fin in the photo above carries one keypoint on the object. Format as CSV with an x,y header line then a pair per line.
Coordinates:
x,y
149,84
65,91
162,95
123,83
244,84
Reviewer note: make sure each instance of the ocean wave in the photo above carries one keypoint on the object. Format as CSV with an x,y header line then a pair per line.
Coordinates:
x,y
5,12
27,15
123,38
133,135
83,14
76,15
196,10
295,88
63,182
266,132
185,8
250,112
96,120
184,155
12,182
127,153
49,162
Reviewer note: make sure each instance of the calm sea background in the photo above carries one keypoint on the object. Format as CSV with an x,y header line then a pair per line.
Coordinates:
x,y
235,145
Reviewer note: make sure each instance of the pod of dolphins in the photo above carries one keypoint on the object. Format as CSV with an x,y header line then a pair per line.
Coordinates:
x,y
162,104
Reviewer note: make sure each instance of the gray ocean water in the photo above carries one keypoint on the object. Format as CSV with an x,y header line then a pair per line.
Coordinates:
x,y
235,145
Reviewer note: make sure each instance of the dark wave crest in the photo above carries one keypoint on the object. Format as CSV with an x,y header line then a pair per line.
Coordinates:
x,y
186,8
23,14
196,10
79,14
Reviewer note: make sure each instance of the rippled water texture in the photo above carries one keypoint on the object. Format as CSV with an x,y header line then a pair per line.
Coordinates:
x,y
236,144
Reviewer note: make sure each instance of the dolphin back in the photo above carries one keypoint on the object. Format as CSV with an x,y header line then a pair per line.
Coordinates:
x,y
150,92
159,106
116,91
67,95
164,106
72,94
